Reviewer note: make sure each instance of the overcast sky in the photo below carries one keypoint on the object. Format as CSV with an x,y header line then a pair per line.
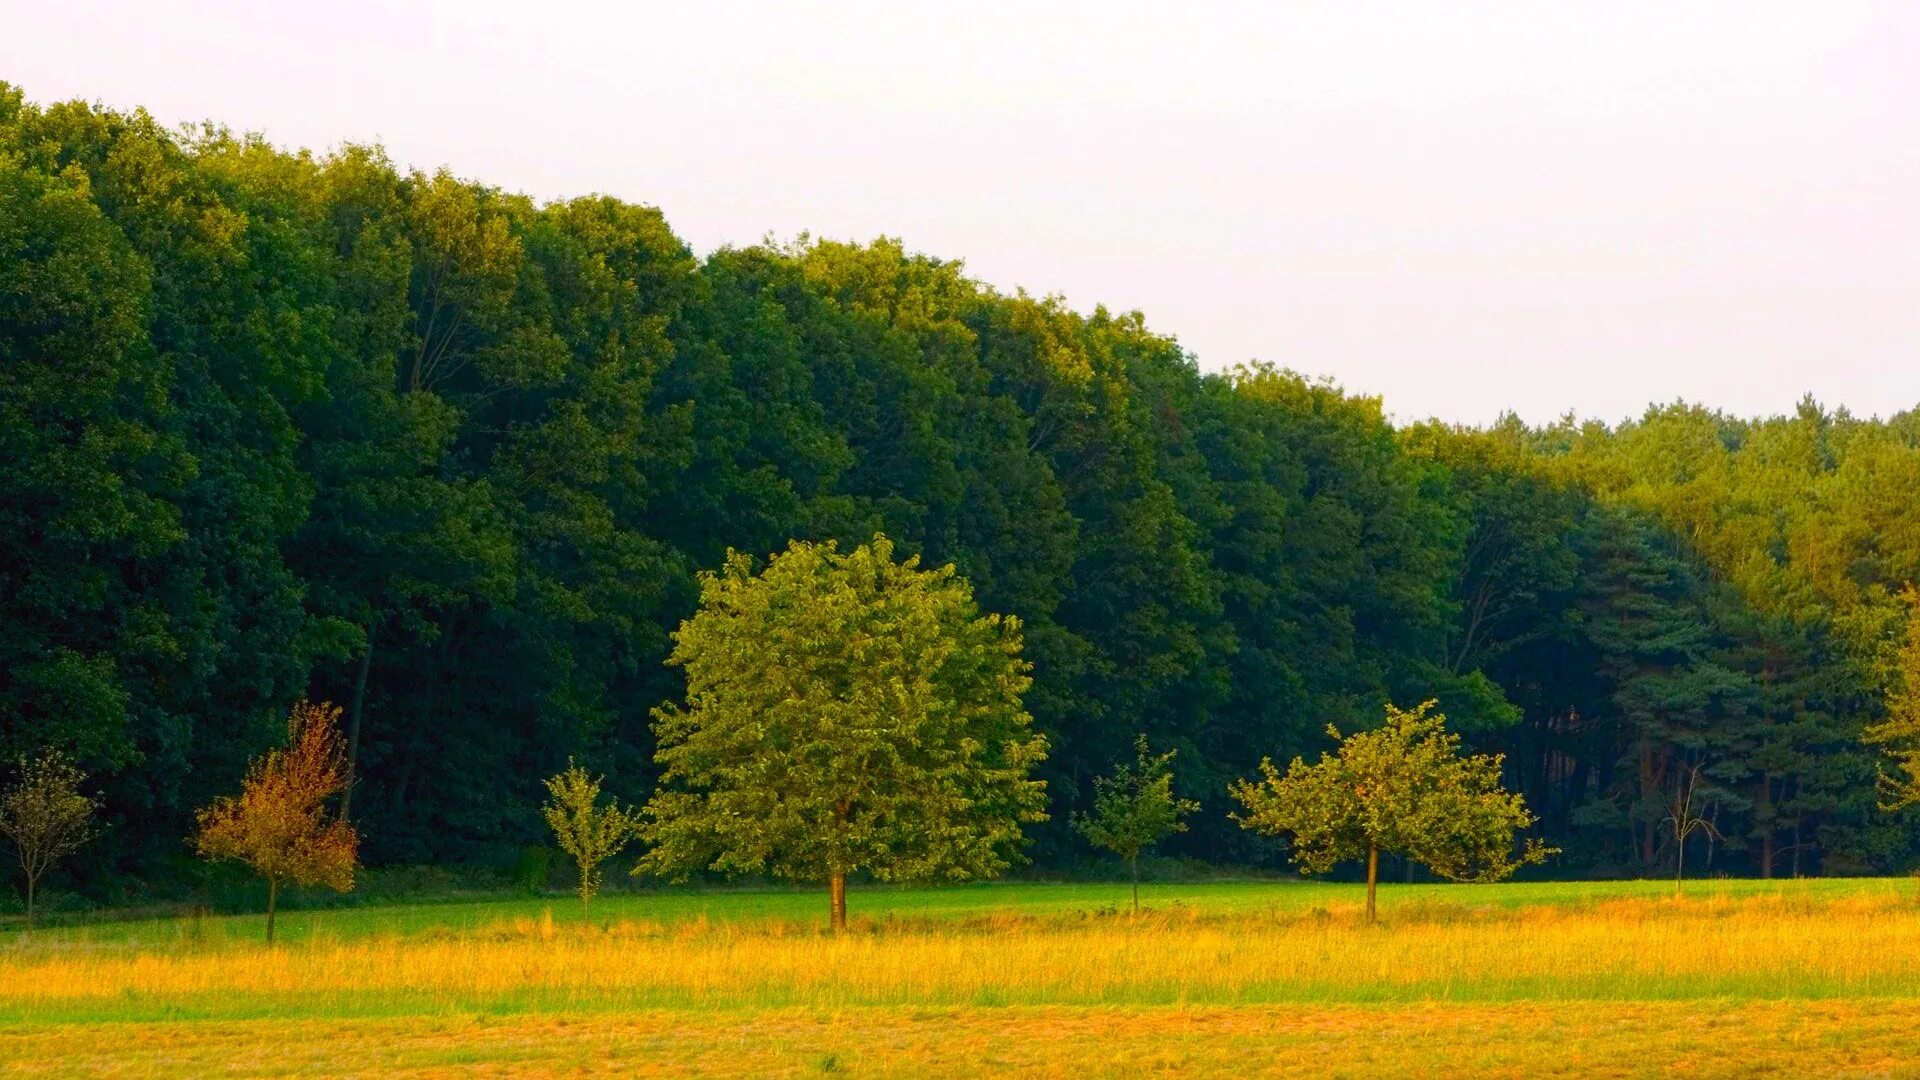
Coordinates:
x,y
1541,206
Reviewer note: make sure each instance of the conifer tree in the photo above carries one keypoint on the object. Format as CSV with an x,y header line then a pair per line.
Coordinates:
x,y
1898,733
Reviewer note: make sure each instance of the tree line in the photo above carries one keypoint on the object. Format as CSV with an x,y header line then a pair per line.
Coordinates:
x,y
847,715
280,425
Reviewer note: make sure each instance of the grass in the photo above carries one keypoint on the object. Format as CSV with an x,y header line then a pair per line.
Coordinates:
x,y
1796,976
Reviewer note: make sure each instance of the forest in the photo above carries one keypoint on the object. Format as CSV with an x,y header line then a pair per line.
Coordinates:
x,y
280,425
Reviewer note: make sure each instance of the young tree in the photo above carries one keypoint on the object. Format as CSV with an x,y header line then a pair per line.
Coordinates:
x,y
279,823
1686,821
1134,809
845,712
46,816
590,833
1404,789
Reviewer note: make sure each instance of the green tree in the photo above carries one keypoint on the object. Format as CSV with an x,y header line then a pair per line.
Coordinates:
x,y
46,816
844,713
1403,788
1135,808
587,831
1898,732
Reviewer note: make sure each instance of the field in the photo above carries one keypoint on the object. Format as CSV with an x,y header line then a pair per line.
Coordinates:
x,y
1281,979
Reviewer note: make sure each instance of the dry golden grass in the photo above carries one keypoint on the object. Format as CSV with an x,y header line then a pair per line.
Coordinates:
x,y
1767,984
1758,947
1488,1042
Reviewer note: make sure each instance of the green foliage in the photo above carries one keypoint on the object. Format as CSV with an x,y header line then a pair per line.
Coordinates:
x,y
1134,808
587,831
46,816
1898,731
1403,789
282,423
845,713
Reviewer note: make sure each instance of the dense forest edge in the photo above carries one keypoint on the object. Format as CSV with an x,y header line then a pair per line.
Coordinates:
x,y
282,425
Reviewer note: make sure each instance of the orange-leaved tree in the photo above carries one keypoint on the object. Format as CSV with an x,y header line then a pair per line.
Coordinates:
x,y
279,823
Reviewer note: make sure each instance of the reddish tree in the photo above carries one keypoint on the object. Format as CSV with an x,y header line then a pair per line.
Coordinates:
x,y
279,823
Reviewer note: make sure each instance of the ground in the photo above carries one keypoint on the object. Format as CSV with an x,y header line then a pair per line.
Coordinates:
x,y
1801,978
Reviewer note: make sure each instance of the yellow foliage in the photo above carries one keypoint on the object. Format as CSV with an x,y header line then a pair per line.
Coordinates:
x,y
279,823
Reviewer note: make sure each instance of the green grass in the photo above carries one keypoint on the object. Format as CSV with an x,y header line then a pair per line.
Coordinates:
x,y
1784,977
470,913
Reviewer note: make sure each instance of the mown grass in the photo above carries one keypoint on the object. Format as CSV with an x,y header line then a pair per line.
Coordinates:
x,y
1253,960
1486,1042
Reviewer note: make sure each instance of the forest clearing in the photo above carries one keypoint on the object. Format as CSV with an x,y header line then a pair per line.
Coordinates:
x,y
1263,978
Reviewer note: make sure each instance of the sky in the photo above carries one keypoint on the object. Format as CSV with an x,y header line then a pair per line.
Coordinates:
x,y
1463,208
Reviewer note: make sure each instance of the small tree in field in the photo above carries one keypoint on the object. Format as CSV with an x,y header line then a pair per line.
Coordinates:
x,y
588,832
279,823
844,713
1134,809
1402,788
1686,821
45,816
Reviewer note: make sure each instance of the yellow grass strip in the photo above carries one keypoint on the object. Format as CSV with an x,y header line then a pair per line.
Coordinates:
x,y
1627,950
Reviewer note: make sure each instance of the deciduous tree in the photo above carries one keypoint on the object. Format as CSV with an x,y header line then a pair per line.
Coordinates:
x,y
845,713
1685,819
1135,808
46,816
1403,788
587,831
279,824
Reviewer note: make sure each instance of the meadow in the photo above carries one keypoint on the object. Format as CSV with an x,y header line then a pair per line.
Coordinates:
x,y
1739,978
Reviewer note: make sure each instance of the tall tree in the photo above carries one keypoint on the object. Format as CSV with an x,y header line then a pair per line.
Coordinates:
x,y
1898,732
845,713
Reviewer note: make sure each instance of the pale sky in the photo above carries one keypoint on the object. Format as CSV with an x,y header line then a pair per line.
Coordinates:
x,y
1464,208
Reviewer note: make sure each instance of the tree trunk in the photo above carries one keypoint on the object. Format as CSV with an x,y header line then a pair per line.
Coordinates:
x,y
1133,864
273,894
1763,815
1373,881
32,881
837,897
1679,865
353,725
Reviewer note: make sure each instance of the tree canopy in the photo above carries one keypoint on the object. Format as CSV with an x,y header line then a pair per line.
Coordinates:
x,y
1403,788
1134,808
281,424
845,713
